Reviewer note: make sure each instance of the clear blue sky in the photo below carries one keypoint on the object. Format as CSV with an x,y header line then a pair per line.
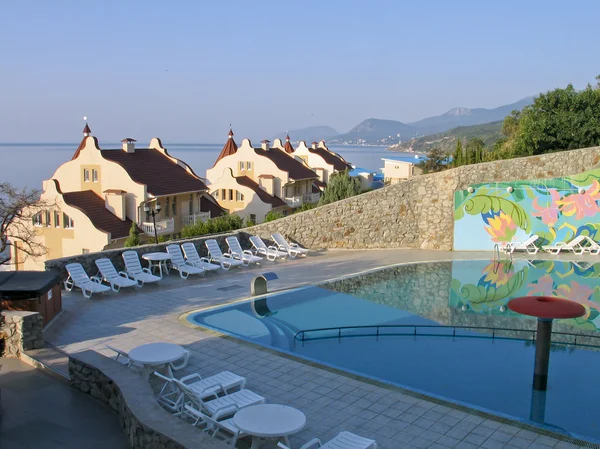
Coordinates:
x,y
184,70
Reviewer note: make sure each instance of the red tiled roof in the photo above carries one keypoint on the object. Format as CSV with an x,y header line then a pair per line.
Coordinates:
x,y
207,204
264,196
82,144
160,174
87,129
229,148
93,206
331,159
265,176
297,170
288,146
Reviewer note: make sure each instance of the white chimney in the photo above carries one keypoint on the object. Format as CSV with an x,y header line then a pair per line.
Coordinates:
x,y
265,145
128,145
114,200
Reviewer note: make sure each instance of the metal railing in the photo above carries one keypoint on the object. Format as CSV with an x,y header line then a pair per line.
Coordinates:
x,y
294,201
415,331
195,218
162,227
311,197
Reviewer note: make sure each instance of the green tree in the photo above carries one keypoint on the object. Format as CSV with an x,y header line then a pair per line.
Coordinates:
x,y
134,237
437,160
457,158
272,216
340,186
249,222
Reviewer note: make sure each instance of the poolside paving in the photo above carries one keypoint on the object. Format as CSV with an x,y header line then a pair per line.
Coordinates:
x,y
332,401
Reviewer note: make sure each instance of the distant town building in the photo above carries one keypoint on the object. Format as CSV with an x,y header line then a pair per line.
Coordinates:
x,y
98,194
396,170
254,181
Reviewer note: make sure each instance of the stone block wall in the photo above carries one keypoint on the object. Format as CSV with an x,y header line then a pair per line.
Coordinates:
x,y
419,212
22,331
145,423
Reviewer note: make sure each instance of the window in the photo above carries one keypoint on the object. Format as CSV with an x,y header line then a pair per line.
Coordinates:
x,y
248,165
242,165
95,175
48,219
167,210
37,219
239,196
85,251
223,194
174,206
67,221
216,194
86,175
230,194
253,218
56,219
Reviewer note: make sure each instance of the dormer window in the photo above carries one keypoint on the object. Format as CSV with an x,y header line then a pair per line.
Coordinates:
x,y
242,165
37,219
94,175
248,165
86,175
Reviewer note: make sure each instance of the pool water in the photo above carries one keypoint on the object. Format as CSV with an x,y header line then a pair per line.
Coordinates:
x,y
494,374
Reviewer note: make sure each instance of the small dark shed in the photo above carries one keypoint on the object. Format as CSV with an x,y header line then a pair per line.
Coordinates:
x,y
34,291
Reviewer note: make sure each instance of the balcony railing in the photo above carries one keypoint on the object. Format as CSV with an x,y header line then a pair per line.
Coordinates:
x,y
162,227
312,197
294,201
195,218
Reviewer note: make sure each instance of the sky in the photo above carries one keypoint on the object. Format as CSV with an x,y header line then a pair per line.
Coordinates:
x,y
185,70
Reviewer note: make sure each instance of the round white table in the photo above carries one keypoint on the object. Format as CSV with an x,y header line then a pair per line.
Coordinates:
x,y
157,260
272,421
153,355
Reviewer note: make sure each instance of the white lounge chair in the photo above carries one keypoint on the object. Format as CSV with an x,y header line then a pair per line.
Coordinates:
x,y
343,440
123,358
224,430
292,248
577,246
134,269
182,362
527,245
222,406
270,252
225,259
117,280
192,257
80,279
179,263
592,246
245,255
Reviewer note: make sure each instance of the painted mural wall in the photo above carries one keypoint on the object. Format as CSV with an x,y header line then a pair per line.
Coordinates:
x,y
557,210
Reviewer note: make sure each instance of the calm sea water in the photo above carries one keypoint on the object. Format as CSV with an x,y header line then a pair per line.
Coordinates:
x,y
27,165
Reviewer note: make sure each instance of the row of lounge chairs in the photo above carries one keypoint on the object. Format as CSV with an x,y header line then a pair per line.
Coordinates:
x,y
185,259
578,245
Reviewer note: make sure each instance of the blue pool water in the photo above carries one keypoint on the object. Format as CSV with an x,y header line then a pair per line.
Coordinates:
x,y
494,374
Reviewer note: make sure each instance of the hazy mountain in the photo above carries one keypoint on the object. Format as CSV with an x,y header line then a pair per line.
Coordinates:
x,y
309,134
466,117
389,132
376,131
489,133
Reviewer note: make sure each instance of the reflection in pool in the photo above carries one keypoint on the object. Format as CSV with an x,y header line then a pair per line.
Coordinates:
x,y
492,374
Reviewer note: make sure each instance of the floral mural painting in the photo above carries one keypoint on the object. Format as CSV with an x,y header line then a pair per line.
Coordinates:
x,y
556,210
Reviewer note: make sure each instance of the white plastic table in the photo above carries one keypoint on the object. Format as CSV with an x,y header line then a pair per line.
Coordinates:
x,y
157,260
272,421
154,355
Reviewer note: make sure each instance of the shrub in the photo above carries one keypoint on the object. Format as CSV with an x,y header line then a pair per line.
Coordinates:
x,y
215,225
273,216
134,237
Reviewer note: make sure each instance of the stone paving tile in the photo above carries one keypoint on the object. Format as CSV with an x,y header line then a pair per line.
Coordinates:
x,y
331,401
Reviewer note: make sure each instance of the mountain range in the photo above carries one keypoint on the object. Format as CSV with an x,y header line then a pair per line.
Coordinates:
x,y
388,132
309,134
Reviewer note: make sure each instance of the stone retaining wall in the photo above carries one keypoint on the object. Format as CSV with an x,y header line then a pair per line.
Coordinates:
x,y
22,331
419,212
145,423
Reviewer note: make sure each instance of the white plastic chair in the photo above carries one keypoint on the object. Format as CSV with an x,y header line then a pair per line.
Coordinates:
x,y
245,255
270,252
576,245
135,271
225,259
179,263
292,248
343,440
80,279
182,363
527,245
117,280
123,358
192,257
224,430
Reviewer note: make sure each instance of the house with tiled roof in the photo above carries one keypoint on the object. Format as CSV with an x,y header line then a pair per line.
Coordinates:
x,y
320,159
254,181
98,194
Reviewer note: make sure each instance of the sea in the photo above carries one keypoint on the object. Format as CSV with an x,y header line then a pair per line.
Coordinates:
x,y
28,164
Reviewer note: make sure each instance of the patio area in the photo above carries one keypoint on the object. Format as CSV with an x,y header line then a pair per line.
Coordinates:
x,y
332,400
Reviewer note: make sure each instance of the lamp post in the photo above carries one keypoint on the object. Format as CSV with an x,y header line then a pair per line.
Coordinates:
x,y
148,209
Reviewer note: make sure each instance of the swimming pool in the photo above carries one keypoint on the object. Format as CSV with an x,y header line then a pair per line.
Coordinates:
x,y
431,318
